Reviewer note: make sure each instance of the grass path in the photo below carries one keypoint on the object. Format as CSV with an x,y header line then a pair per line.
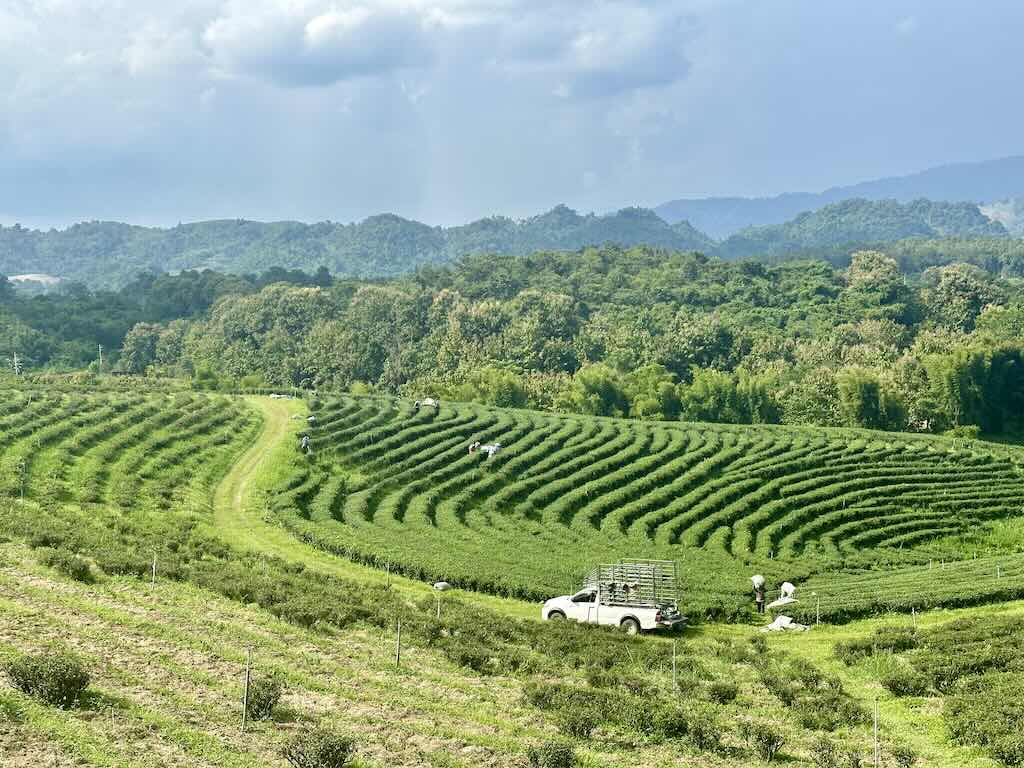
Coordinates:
x,y
239,509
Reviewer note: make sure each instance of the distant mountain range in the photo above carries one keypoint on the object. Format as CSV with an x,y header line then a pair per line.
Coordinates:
x,y
983,182
110,254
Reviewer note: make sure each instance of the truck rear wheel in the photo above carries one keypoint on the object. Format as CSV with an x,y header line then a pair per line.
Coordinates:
x,y
630,626
556,616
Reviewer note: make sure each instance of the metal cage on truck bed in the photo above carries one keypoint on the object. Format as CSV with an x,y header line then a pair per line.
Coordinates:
x,y
639,582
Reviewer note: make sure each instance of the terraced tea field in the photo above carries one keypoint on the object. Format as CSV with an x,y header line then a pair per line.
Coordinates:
x,y
126,451
395,486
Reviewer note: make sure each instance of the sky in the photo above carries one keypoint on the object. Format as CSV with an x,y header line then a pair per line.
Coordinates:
x,y
156,112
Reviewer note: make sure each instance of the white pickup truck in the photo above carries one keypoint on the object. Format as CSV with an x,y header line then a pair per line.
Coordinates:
x,y
585,608
632,594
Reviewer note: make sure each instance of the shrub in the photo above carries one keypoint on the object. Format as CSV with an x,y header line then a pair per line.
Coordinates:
x,y
472,656
891,639
904,756
784,689
552,754
825,754
853,759
766,741
723,692
828,710
70,565
704,732
56,678
906,683
670,722
319,748
264,694
986,711
577,722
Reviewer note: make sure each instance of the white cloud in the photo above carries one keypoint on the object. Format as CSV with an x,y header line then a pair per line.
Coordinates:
x,y
319,43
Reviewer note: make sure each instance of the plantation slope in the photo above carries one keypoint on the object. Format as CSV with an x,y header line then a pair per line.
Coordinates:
x,y
395,487
918,720
167,661
239,507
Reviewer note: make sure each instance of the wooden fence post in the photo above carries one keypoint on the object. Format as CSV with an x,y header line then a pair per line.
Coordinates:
x,y
245,694
398,645
878,754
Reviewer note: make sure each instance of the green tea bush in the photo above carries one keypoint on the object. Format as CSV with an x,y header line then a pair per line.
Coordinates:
x,y
905,683
723,691
319,748
552,754
69,564
818,702
470,655
670,722
986,711
766,740
825,754
58,679
903,756
884,639
704,731
828,710
264,695
578,723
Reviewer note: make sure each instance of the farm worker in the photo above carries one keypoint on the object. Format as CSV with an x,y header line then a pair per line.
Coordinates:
x,y
305,443
311,420
787,589
758,582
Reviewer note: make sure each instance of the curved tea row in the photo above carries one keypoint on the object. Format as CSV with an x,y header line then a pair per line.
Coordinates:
x,y
391,483
131,451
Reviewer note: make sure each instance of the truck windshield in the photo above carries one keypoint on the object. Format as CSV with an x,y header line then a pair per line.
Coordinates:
x,y
583,597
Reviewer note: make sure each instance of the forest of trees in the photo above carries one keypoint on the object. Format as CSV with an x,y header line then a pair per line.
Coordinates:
x,y
64,330
640,332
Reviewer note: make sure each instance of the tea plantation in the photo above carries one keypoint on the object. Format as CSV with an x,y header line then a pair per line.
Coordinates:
x,y
106,662
860,518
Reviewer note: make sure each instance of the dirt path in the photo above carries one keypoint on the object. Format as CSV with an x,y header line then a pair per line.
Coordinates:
x,y
238,513
236,519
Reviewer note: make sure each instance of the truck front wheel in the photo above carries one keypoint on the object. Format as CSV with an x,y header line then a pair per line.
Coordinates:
x,y
630,626
556,616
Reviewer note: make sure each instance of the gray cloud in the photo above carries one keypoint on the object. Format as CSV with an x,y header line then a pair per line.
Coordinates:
x,y
450,109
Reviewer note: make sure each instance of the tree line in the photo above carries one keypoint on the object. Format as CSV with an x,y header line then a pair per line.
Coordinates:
x,y
639,332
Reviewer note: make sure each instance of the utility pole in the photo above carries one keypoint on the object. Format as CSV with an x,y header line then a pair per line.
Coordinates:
x,y
101,358
16,364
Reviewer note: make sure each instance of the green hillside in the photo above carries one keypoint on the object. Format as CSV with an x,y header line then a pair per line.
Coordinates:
x,y
862,221
388,484
141,534
110,254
